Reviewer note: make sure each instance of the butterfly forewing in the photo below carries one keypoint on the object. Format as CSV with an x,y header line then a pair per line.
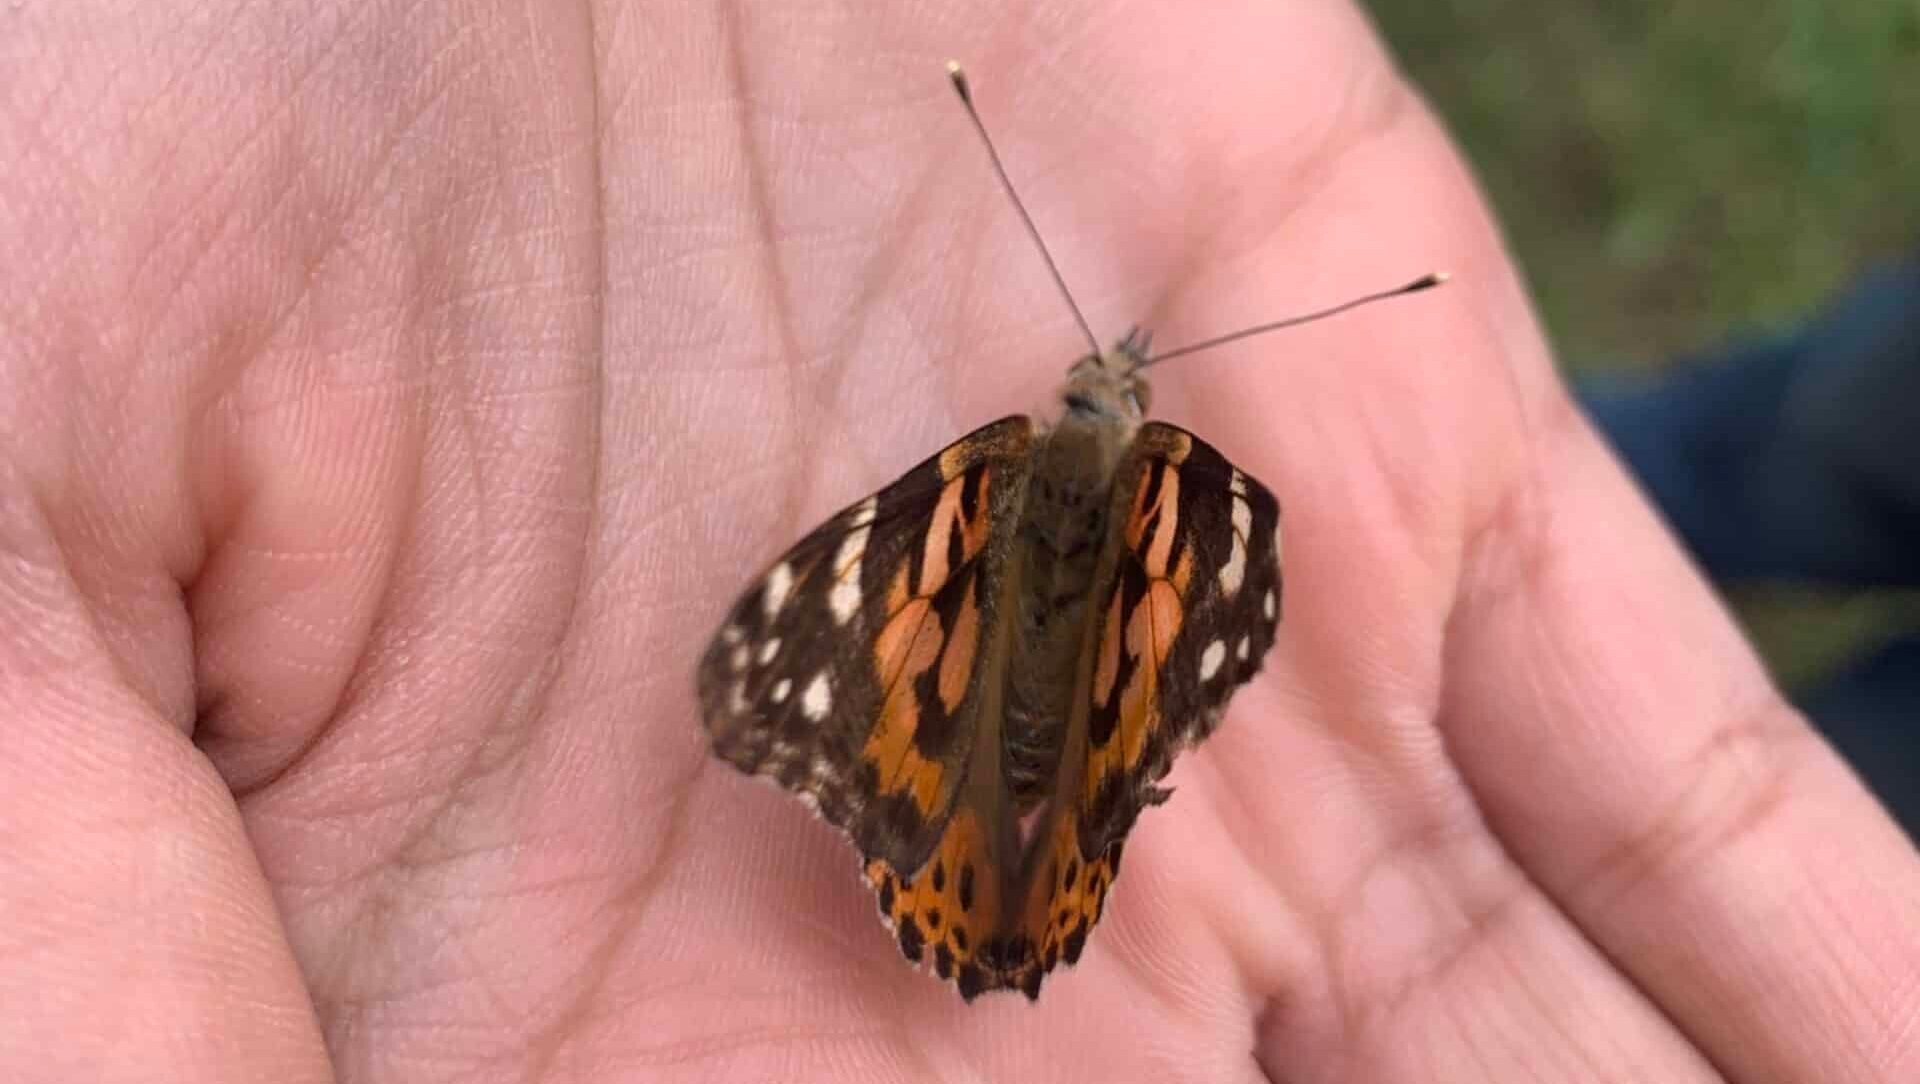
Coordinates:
x,y
849,672
1190,611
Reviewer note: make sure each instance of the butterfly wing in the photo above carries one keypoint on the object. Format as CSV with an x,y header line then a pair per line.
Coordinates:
x,y
1189,615
1186,603
851,673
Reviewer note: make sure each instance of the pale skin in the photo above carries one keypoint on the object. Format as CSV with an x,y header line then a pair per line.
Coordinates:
x,y
394,396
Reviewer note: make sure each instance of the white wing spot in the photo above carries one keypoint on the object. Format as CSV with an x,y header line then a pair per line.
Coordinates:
x,y
731,634
780,690
1210,660
737,698
1241,651
817,700
1242,516
779,585
768,650
1270,605
844,598
1234,572
738,659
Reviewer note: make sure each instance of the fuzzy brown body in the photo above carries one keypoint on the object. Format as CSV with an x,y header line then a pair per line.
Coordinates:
x,y
1035,620
1057,552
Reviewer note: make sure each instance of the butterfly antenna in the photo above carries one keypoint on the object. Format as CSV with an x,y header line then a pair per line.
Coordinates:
x,y
960,87
1424,282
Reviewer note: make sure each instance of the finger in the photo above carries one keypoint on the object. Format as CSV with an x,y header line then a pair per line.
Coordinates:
x,y
1627,747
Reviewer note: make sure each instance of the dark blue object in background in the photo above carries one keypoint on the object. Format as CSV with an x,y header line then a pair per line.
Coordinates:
x,y
1796,458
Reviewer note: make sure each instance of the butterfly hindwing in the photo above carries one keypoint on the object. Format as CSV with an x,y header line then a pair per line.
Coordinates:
x,y
849,672
948,914
1185,606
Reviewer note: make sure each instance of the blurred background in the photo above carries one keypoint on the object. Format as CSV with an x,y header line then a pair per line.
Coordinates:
x,y
1672,174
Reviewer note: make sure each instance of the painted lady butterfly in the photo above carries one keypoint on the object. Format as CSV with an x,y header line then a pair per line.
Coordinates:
x,y
1032,622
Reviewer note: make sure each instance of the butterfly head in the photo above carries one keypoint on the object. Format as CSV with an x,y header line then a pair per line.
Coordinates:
x,y
1109,385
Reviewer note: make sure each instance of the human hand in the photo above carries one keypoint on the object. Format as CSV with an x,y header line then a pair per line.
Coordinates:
x,y
397,395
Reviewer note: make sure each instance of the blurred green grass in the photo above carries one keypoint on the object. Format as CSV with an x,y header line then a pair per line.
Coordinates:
x,y
1672,173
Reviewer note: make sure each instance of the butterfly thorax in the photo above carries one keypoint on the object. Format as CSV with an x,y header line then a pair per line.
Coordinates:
x,y
1069,500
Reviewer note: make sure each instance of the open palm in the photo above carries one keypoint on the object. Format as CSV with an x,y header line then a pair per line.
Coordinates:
x,y
396,396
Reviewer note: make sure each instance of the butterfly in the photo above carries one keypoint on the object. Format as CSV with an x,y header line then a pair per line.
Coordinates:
x,y
983,671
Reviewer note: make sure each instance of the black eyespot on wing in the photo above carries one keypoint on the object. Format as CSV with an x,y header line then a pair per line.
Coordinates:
x,y
1076,942
972,981
911,940
1030,983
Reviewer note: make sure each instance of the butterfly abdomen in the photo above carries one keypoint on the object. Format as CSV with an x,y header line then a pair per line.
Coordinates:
x,y
1061,531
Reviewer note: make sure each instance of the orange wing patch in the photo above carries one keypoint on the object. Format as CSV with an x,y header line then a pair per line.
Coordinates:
x,y
949,915
915,640
1143,619
1154,520
908,647
956,663
946,914
1065,903
959,527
